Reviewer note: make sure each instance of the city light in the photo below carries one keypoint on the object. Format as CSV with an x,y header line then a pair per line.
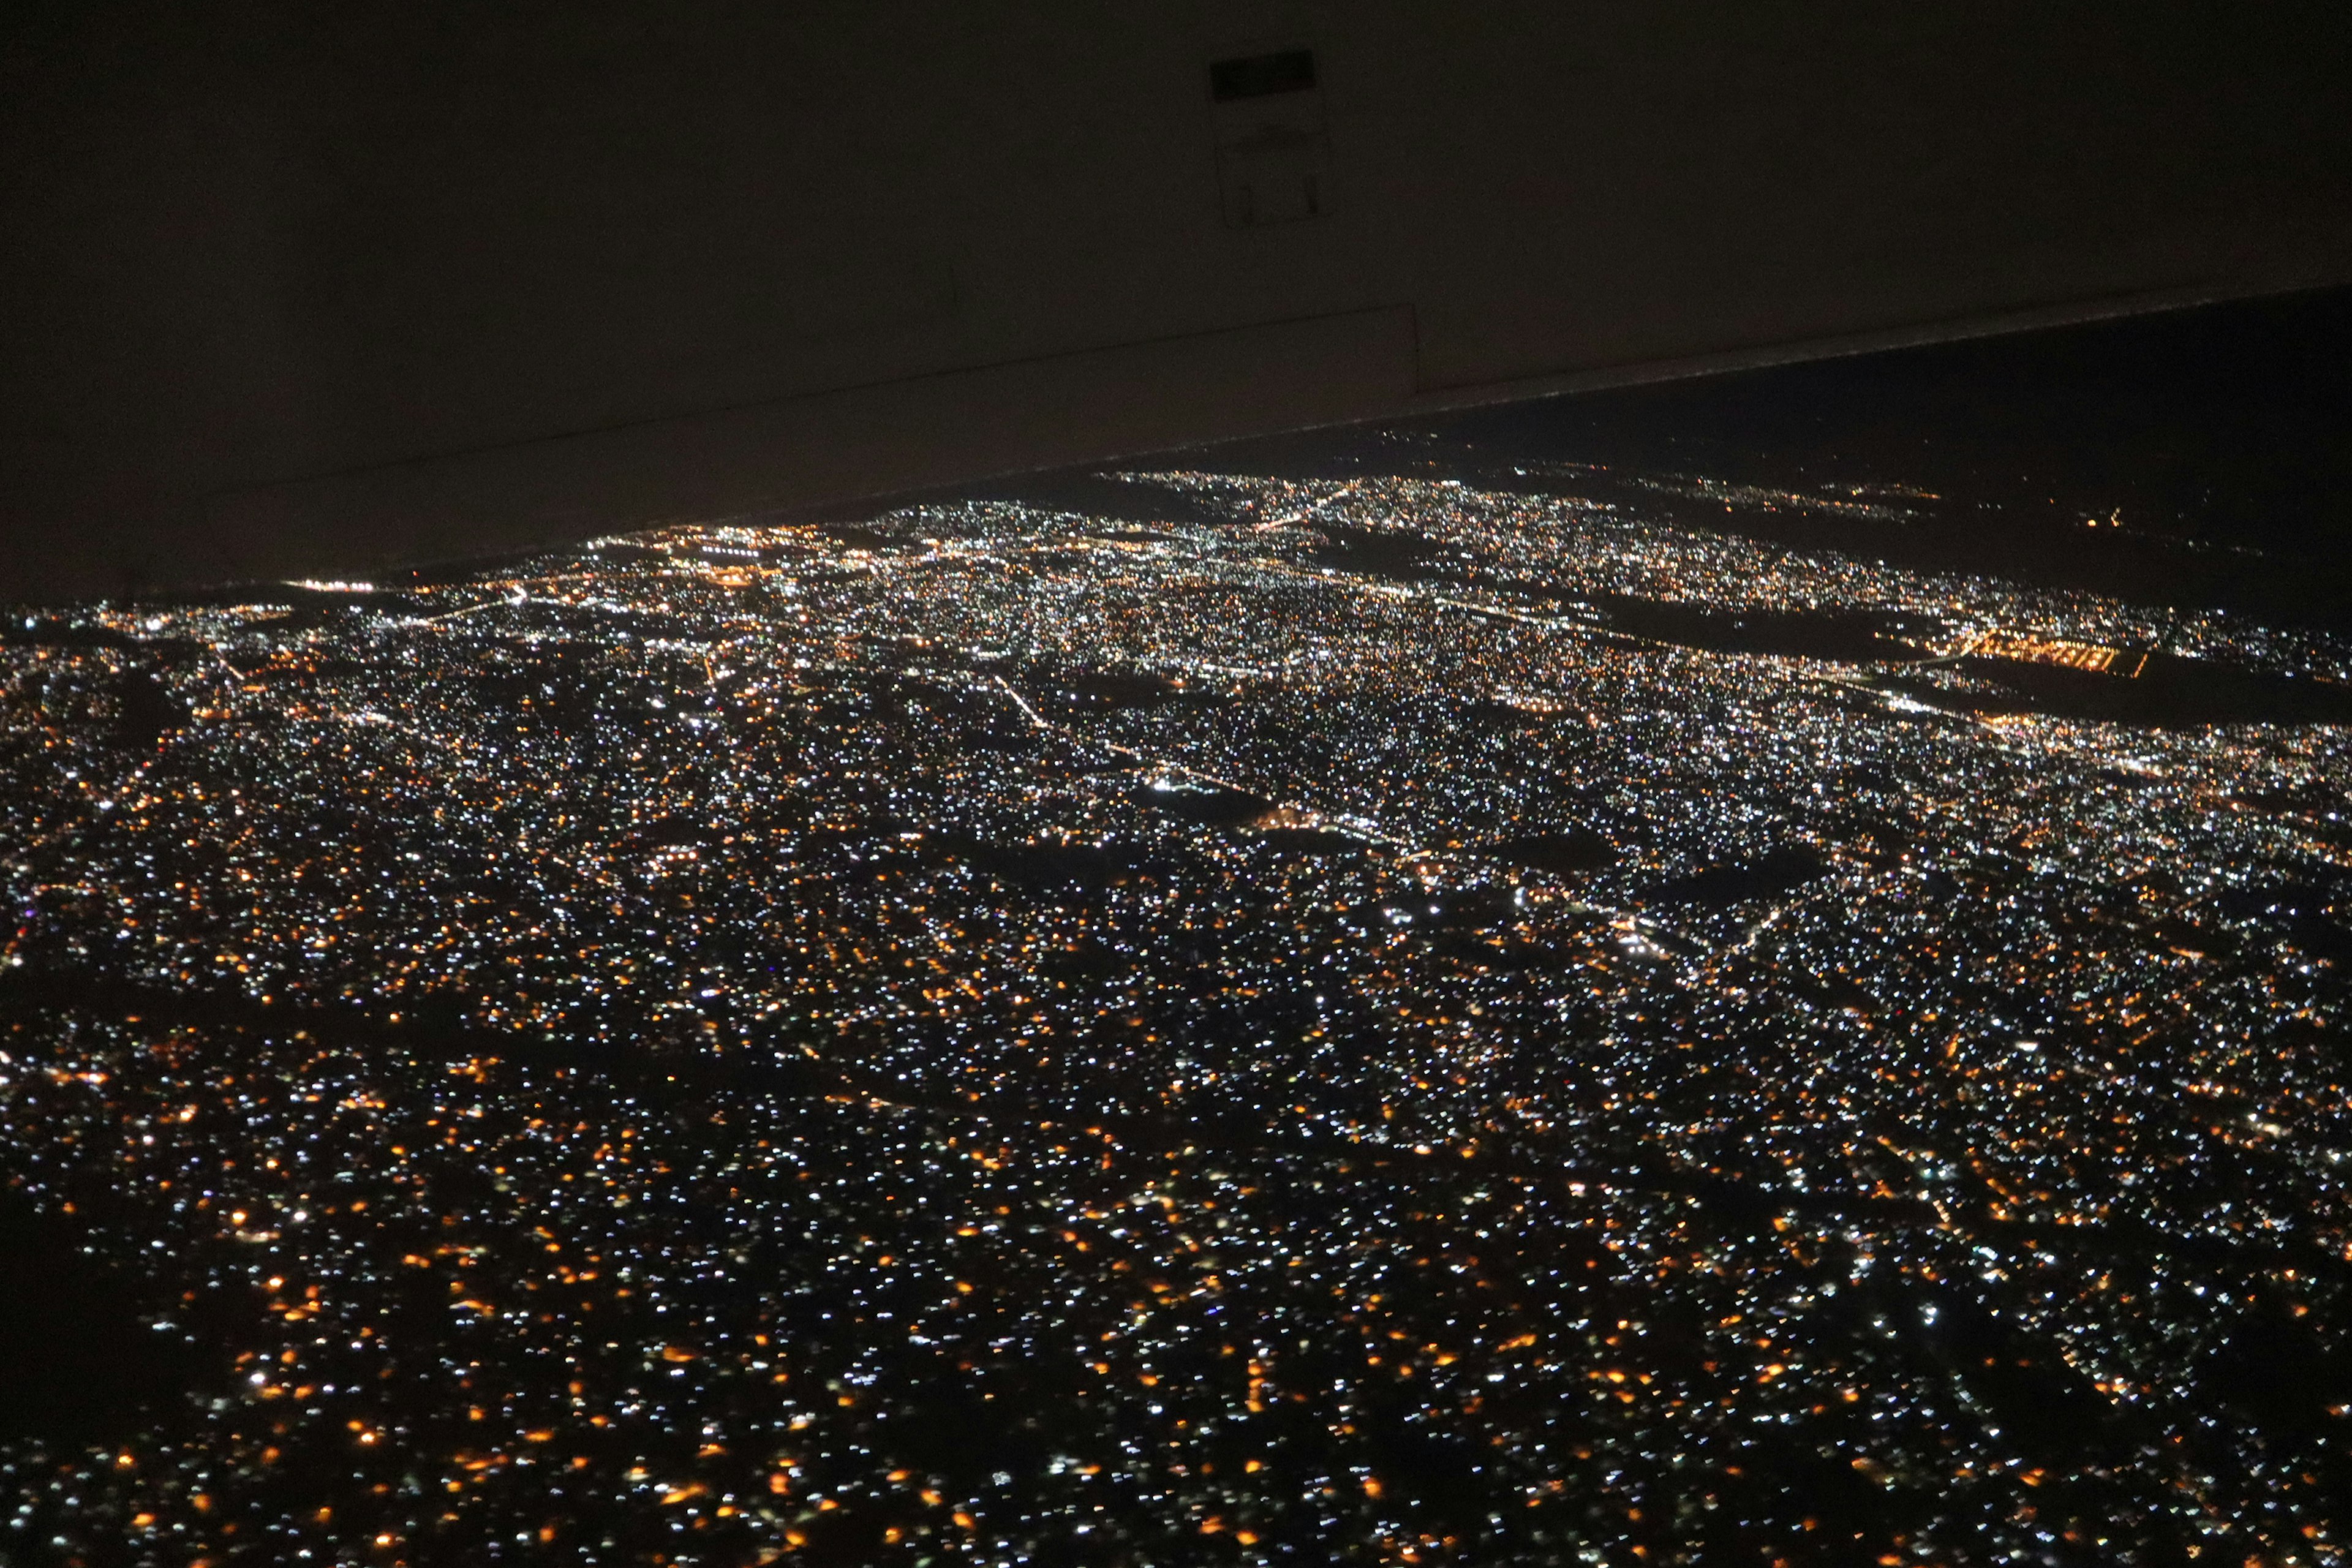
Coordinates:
x,y
1320,1020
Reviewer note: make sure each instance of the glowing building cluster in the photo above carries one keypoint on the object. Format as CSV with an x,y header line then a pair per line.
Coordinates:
x,y
1368,1020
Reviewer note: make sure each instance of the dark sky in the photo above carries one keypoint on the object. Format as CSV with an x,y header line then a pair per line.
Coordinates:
x,y
2218,432
2227,421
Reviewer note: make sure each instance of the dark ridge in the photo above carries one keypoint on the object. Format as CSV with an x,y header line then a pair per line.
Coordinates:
x,y
16,631
856,535
1311,841
1105,497
433,1029
27,632
2173,692
2287,899
1494,714
1209,807
1006,738
1117,688
1385,553
293,595
147,711
441,574
1845,637
1043,868
1780,871
676,832
1567,851
2276,1370
2315,917
78,1361
1470,911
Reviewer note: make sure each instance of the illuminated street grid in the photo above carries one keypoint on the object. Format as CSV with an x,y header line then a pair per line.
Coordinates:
x,y
1294,1024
